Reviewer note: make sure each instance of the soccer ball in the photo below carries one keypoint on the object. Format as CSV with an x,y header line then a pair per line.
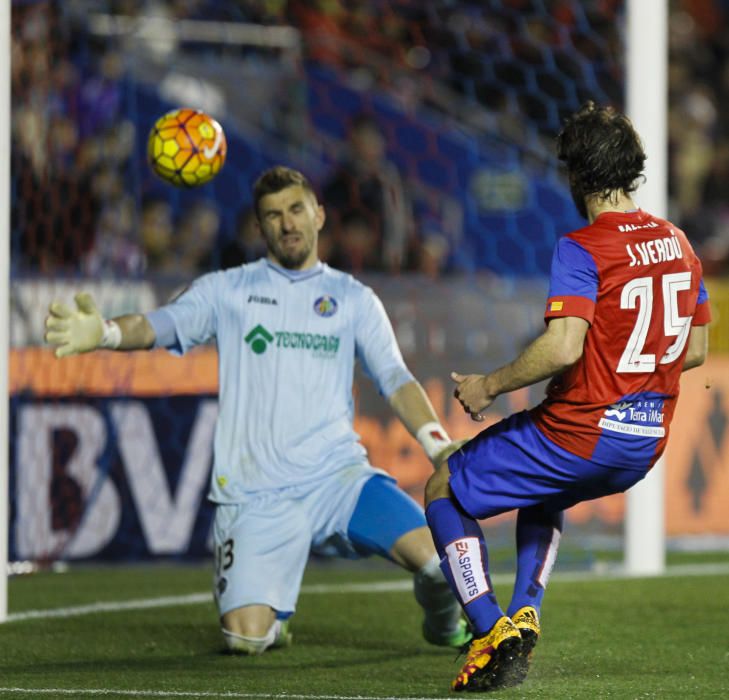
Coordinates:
x,y
186,147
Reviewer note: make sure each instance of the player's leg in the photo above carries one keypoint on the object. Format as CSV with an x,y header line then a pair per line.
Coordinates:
x,y
464,559
261,550
362,512
462,549
512,465
538,532
388,522
500,470
539,528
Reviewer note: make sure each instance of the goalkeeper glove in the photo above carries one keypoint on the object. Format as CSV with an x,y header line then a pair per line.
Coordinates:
x,y
82,330
436,443
446,452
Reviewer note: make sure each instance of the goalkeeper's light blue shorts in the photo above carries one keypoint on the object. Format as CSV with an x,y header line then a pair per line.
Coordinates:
x,y
512,464
263,544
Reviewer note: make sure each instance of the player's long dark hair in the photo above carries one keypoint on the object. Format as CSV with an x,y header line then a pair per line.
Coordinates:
x,y
602,151
276,179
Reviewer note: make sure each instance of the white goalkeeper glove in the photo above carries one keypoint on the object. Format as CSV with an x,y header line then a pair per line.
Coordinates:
x,y
436,443
82,330
446,452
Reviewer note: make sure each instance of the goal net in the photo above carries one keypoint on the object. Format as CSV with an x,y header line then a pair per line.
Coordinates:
x,y
110,453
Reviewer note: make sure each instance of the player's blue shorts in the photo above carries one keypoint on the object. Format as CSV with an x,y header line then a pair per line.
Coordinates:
x,y
262,545
513,465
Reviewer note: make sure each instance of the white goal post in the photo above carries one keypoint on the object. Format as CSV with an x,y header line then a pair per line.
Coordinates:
x,y
647,105
4,298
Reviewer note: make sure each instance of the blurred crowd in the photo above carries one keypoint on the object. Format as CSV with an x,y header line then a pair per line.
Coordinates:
x,y
70,150
76,208
699,127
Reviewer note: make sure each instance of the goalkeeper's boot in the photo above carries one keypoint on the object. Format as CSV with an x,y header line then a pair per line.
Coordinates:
x,y
456,639
491,659
526,620
284,638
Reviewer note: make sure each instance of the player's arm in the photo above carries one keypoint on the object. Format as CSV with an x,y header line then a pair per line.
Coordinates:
x,y
558,348
698,340
382,361
413,407
698,347
79,330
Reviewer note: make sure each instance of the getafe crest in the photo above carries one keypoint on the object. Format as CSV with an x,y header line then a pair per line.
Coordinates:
x,y
325,306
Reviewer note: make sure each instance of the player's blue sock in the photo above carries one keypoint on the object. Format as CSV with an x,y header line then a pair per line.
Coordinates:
x,y
464,560
537,541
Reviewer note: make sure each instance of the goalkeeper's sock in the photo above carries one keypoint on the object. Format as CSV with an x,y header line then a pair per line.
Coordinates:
x,y
537,541
442,610
253,646
464,561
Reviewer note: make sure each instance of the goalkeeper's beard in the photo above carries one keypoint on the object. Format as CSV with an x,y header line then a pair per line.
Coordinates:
x,y
291,259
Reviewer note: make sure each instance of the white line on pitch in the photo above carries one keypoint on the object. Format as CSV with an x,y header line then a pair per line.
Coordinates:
x,y
112,606
396,585
190,694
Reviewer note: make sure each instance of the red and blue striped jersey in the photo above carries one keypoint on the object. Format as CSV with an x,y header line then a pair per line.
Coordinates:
x,y
636,279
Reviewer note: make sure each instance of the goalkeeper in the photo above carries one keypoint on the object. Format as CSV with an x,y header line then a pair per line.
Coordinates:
x,y
289,475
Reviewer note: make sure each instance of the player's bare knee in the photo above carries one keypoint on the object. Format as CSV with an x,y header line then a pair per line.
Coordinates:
x,y
438,486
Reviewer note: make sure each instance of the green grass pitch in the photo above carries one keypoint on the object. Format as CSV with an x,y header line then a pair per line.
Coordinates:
x,y
639,638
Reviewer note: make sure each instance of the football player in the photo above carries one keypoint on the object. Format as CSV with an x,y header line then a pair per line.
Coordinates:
x,y
626,314
290,475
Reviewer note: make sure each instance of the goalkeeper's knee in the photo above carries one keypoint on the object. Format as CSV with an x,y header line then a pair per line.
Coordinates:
x,y
252,646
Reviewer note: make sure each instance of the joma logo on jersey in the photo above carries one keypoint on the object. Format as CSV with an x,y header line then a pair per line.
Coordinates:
x,y
320,345
253,298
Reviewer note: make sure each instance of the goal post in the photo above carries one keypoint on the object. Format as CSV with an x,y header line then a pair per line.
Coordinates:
x,y
4,298
647,105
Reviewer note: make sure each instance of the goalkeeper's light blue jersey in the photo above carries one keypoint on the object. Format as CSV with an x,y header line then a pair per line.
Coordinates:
x,y
287,343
